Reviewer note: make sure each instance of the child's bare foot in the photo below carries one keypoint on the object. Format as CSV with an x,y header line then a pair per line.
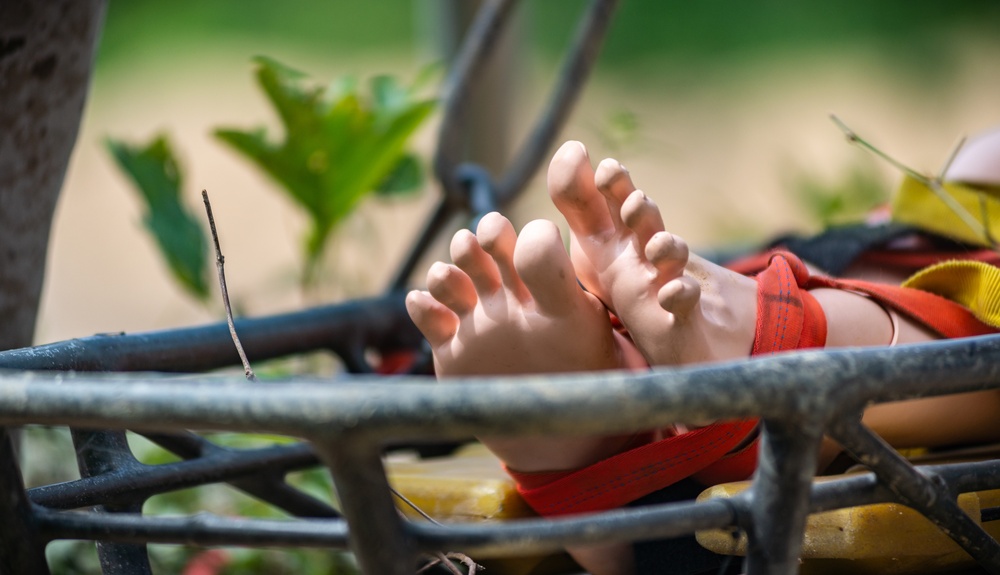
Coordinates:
x,y
678,307
512,305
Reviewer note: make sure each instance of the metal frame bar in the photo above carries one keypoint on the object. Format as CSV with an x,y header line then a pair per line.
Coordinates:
x,y
351,420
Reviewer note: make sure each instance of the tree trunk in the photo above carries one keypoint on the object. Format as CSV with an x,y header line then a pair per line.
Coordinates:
x,y
46,56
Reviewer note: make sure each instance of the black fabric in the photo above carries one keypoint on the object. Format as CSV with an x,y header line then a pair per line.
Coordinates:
x,y
835,249
683,555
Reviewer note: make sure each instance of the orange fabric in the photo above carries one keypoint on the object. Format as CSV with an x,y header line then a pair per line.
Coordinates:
x,y
788,318
947,318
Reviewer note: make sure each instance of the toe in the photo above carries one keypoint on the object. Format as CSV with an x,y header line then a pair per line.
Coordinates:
x,y
668,253
679,296
545,268
497,237
641,216
438,323
571,186
469,256
452,287
615,184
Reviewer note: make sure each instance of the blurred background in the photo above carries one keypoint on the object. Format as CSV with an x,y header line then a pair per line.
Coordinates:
x,y
718,108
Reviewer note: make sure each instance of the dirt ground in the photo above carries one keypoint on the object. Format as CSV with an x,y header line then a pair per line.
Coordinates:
x,y
716,157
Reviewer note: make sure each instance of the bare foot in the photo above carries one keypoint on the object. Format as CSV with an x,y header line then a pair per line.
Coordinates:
x,y
678,307
512,305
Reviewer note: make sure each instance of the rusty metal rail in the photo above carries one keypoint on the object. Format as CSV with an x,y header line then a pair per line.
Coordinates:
x,y
346,422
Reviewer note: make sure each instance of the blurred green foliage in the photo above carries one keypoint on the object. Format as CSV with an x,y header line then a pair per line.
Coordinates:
x,y
339,144
918,36
847,199
154,170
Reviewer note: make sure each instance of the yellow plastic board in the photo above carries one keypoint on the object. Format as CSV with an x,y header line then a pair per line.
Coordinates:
x,y
470,486
885,538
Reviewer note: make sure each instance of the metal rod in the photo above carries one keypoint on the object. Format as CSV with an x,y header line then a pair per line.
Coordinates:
x,y
779,498
378,538
444,211
508,538
224,465
379,322
21,548
934,499
419,407
481,36
203,529
586,46
107,452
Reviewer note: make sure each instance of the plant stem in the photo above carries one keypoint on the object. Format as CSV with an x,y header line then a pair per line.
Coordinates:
x,y
220,261
932,183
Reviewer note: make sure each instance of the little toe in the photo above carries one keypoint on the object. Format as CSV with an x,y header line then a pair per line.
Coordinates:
x,y
438,323
543,264
571,187
452,287
668,253
615,184
469,256
641,216
679,296
497,237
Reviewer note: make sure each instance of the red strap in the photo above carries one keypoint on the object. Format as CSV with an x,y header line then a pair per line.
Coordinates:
x,y
788,318
949,319
632,474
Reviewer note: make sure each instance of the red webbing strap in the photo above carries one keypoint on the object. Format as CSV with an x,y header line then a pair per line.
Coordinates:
x,y
788,318
794,320
625,477
949,319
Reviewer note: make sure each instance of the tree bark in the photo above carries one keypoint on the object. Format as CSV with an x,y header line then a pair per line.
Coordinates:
x,y
47,53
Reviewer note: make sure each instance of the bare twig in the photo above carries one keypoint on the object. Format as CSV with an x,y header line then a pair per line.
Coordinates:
x,y
467,561
951,157
854,138
934,183
443,559
220,261
413,505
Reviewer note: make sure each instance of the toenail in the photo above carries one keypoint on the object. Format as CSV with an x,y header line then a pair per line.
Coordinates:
x,y
622,167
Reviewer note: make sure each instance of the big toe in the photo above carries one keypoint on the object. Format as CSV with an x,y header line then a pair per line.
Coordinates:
x,y
572,189
545,268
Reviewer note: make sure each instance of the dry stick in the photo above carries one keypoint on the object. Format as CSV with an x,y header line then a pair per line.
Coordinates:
x,y
220,261
467,561
934,183
413,506
442,559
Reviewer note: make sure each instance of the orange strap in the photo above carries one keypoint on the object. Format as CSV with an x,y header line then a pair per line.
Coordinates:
x,y
945,317
788,318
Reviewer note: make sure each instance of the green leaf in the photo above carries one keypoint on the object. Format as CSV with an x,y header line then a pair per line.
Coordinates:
x,y
339,144
157,177
407,176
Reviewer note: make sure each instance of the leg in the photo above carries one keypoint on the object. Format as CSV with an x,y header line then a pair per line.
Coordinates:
x,y
678,307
